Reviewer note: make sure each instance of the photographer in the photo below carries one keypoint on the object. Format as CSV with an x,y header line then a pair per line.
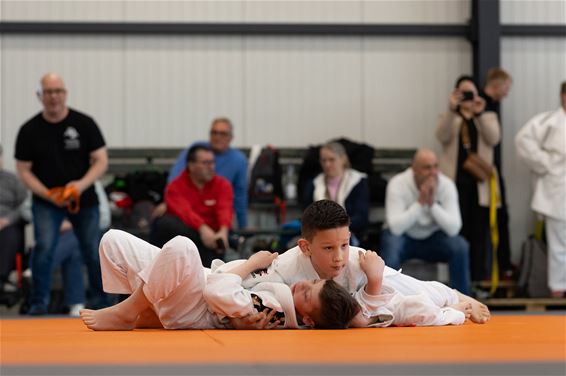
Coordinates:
x,y
468,135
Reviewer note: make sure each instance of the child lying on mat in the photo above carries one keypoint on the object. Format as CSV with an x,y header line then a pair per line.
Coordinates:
x,y
324,252
167,287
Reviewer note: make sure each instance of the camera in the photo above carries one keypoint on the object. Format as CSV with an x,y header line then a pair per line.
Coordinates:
x,y
467,96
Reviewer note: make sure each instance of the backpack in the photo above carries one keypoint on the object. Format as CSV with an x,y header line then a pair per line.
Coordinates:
x,y
533,274
266,178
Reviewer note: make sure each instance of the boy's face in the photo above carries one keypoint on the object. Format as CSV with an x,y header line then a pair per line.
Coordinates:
x,y
306,296
329,251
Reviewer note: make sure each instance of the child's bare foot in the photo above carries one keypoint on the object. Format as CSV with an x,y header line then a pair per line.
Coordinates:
x,y
480,313
111,318
464,307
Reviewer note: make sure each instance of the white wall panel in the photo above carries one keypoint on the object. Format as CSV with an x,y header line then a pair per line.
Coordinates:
x,y
416,11
63,10
538,66
406,85
302,11
302,90
183,11
174,87
533,11
91,67
348,11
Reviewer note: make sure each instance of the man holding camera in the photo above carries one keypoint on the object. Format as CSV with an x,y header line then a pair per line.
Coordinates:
x,y
199,206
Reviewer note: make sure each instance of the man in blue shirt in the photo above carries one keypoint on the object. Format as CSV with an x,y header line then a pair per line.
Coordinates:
x,y
230,163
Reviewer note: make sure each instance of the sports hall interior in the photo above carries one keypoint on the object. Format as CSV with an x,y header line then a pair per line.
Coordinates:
x,y
292,74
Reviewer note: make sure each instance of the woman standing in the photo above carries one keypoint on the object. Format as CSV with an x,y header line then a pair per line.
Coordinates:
x,y
465,130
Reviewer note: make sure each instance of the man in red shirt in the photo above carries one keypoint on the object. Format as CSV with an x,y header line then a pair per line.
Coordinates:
x,y
199,206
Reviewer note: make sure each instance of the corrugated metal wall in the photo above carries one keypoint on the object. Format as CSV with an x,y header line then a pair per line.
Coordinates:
x,y
289,91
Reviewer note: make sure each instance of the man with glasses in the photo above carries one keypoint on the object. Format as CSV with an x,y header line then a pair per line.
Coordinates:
x,y
199,206
59,154
230,163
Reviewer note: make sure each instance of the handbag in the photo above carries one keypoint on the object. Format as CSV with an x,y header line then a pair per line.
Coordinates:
x,y
474,164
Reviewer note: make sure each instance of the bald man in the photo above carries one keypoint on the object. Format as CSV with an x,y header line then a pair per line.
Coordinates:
x,y
61,148
423,220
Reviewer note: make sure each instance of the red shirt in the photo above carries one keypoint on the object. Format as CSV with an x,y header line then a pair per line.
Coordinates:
x,y
213,205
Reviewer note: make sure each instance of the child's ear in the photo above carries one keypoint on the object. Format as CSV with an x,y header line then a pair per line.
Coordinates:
x,y
304,246
308,321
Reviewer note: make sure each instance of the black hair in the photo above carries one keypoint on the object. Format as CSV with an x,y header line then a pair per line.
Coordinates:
x,y
465,78
337,307
192,154
323,215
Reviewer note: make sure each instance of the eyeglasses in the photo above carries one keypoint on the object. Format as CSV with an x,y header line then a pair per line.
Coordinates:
x,y
206,162
52,92
220,133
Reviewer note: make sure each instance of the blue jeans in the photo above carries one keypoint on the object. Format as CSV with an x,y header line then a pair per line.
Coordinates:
x,y
68,257
47,220
438,247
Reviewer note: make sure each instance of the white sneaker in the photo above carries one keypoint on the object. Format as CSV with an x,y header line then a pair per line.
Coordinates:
x,y
74,309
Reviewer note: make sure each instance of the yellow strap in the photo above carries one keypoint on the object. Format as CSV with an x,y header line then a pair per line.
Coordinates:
x,y
494,232
539,227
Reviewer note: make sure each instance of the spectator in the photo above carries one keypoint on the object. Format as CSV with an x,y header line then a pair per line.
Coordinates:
x,y
12,195
67,254
199,206
60,152
342,184
541,144
230,163
497,85
423,219
466,115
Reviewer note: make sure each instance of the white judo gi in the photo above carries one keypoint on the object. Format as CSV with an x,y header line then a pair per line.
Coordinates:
x,y
404,300
174,282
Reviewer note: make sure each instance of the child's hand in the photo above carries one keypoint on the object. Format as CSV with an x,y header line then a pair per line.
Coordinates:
x,y
262,259
372,265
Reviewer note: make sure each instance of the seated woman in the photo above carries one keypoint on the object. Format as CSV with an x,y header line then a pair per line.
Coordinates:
x,y
342,184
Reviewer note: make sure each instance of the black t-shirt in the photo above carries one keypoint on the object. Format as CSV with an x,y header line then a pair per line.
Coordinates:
x,y
60,152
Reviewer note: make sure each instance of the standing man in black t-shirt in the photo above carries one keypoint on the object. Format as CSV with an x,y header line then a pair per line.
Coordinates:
x,y
497,85
61,148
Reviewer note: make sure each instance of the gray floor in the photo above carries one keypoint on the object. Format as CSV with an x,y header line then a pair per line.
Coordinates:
x,y
514,369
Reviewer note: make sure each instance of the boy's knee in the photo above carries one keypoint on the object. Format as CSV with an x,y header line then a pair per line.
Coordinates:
x,y
181,246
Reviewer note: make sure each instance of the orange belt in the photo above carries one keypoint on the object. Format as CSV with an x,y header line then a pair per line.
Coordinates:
x,y
62,194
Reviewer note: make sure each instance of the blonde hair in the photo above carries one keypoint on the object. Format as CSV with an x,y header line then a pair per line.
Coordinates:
x,y
497,74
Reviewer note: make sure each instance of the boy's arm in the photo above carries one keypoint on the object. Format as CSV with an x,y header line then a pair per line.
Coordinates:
x,y
226,297
259,260
373,266
372,300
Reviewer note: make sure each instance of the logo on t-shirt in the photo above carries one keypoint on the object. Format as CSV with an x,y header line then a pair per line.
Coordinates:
x,y
71,139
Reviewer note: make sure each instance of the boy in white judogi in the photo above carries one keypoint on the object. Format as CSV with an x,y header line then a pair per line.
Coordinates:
x,y
324,253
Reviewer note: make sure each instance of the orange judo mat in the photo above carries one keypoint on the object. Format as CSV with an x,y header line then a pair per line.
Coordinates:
x,y
506,338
